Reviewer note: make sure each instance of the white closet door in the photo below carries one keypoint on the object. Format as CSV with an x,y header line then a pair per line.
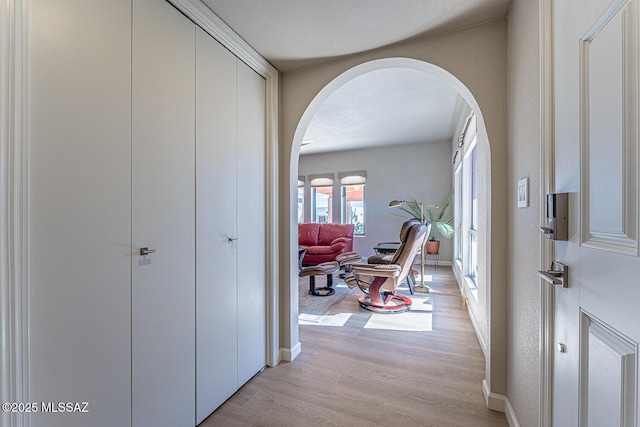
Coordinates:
x,y
163,211
216,268
251,221
79,209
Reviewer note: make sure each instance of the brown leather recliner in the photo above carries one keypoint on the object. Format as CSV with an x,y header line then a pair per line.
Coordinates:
x,y
384,258
324,242
379,282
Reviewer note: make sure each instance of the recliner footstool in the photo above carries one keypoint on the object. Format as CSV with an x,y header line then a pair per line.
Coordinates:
x,y
327,268
345,260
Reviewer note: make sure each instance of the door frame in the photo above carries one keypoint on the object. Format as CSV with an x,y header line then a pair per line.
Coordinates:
x,y
14,304
493,369
13,208
547,185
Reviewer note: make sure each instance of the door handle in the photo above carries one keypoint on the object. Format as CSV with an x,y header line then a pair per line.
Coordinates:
x,y
231,239
558,275
146,251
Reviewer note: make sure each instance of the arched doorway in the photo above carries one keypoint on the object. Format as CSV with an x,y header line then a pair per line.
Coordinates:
x,y
481,306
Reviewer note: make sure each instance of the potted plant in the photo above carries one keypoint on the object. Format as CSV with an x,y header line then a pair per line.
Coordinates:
x,y
441,224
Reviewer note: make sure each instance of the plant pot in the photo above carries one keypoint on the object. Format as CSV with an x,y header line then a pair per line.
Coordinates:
x,y
433,247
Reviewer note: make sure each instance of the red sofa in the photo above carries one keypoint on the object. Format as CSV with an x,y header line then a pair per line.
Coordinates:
x,y
324,242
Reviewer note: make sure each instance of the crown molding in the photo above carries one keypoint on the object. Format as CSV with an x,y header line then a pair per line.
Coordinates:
x,y
204,17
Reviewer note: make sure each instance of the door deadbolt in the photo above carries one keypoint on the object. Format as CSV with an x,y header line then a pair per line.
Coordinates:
x,y
557,227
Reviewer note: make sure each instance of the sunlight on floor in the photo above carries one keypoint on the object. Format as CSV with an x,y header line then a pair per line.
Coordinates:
x,y
409,321
422,303
338,319
418,319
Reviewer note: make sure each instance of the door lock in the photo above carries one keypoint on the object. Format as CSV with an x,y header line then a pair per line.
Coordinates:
x,y
557,227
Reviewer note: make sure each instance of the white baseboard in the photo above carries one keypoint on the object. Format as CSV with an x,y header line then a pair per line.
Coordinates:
x,y
483,345
440,264
511,415
465,292
430,265
289,354
494,401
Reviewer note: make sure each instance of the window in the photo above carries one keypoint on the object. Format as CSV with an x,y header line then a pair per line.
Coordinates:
x,y
458,215
322,204
300,199
321,198
466,214
473,206
352,200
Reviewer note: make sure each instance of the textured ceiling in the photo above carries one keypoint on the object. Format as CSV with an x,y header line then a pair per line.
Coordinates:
x,y
384,107
396,106
294,34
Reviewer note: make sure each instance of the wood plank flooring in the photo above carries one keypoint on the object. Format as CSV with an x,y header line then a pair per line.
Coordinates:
x,y
355,374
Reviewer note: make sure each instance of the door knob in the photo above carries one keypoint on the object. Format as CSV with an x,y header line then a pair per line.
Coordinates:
x,y
558,275
146,251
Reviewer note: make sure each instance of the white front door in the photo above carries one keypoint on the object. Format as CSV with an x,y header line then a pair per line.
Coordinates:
x,y
597,318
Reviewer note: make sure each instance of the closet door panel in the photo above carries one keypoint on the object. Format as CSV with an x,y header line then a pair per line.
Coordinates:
x,y
163,212
79,79
251,220
216,267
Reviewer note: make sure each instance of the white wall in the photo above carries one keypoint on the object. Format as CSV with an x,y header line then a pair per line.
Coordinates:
x,y
524,237
402,172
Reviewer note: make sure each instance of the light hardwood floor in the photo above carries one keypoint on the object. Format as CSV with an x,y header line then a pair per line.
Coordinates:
x,y
355,374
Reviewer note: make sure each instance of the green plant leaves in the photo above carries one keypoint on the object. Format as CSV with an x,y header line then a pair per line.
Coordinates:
x,y
440,226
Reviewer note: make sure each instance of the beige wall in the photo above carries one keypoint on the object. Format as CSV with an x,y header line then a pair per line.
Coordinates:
x,y
476,57
524,237
402,172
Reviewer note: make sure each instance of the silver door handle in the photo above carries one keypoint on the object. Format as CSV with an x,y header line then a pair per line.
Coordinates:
x,y
558,275
231,239
146,251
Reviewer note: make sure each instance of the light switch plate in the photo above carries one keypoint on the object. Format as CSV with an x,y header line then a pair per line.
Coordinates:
x,y
523,192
